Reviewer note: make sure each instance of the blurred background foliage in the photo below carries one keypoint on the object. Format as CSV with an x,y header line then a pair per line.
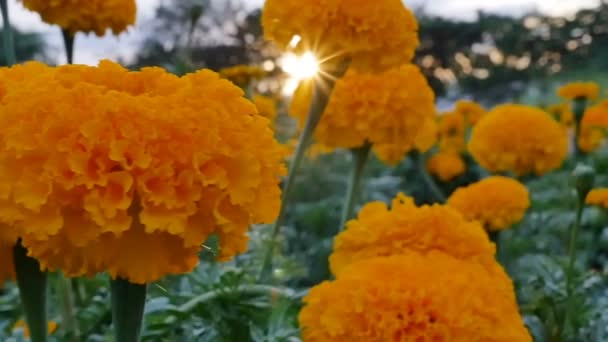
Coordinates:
x,y
491,59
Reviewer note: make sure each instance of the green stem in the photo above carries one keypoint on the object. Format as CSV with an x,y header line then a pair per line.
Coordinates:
x,y
420,159
571,261
578,109
128,301
68,42
32,290
321,92
360,156
9,44
242,290
64,286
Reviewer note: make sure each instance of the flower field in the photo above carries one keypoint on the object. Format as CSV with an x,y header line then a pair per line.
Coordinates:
x,y
342,183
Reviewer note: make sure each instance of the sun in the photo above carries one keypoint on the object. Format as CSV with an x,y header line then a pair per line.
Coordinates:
x,y
299,68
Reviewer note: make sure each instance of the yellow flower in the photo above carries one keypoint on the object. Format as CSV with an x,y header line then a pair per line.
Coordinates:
x,y
392,154
373,35
242,75
593,127
414,297
452,132
563,113
446,165
8,239
20,324
379,231
267,106
598,197
520,139
579,90
86,15
390,108
496,202
102,169
471,111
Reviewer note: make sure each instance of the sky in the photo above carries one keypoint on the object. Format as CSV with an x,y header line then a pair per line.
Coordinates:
x,y
90,49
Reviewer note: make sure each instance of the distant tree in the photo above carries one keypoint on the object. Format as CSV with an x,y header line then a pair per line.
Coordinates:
x,y
28,46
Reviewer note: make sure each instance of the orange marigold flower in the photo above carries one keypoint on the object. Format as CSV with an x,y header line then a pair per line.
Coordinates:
x,y
446,165
8,239
102,169
598,197
594,126
390,108
472,111
392,154
520,139
452,132
20,324
267,106
242,75
579,90
496,202
379,231
86,15
563,113
414,297
373,35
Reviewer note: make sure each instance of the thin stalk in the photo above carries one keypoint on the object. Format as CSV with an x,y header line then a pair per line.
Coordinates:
x,y
572,260
321,92
128,301
68,43
420,159
242,290
578,109
9,43
360,156
64,286
32,290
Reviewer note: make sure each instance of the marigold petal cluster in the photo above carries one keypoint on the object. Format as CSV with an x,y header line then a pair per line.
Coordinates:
x,y
594,127
267,106
452,132
242,75
391,108
102,169
472,111
8,239
518,139
496,202
392,154
579,90
446,165
598,197
86,15
379,232
373,35
413,297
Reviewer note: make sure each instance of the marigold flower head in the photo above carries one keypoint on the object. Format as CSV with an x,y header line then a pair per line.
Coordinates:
x,y
594,126
579,90
267,106
242,75
373,35
379,231
446,165
390,108
392,154
8,239
562,113
102,169
598,197
520,139
414,297
86,15
472,111
496,202
452,132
